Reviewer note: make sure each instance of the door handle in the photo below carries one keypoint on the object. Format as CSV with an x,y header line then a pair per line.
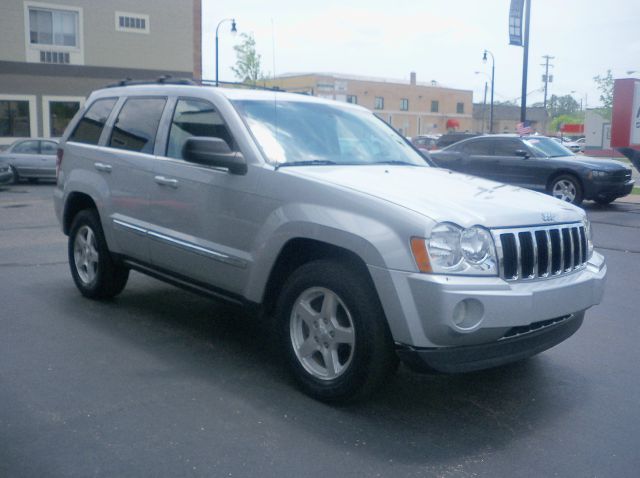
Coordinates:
x,y
162,181
105,168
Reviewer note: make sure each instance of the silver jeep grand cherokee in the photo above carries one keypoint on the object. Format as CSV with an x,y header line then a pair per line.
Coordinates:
x,y
328,222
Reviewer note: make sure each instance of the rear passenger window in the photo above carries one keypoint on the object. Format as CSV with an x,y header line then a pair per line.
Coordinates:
x,y
195,118
479,147
90,126
137,124
26,147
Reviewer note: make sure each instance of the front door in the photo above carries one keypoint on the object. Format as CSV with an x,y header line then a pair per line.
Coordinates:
x,y
202,215
515,168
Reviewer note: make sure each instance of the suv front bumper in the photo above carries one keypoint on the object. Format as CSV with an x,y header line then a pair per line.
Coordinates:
x,y
493,354
434,314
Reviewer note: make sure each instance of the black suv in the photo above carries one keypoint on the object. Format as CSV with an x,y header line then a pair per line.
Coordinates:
x,y
538,163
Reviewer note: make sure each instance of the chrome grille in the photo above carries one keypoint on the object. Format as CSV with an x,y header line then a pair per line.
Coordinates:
x,y
540,252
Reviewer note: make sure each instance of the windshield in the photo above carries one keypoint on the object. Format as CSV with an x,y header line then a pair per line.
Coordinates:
x,y
300,132
547,147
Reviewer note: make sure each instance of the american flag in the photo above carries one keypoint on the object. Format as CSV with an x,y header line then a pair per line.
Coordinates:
x,y
524,128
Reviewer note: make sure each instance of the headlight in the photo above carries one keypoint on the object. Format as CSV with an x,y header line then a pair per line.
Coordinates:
x,y
444,246
589,236
476,244
451,249
599,174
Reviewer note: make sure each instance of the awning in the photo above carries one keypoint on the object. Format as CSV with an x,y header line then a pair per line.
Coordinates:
x,y
453,123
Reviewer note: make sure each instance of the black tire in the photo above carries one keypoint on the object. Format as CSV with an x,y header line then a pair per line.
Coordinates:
x,y
372,358
16,176
604,201
104,278
574,185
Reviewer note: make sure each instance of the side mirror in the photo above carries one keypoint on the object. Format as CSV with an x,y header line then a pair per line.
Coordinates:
x,y
522,153
214,152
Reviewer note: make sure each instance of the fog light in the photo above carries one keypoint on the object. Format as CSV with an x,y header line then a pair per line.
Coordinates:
x,y
468,314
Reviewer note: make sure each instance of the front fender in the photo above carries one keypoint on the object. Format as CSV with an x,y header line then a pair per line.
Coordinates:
x,y
376,243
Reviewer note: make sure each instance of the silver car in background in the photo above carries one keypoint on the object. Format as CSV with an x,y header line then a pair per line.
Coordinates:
x,y
30,159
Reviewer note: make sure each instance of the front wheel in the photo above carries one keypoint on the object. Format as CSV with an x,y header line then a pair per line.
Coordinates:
x,y
334,332
94,271
566,188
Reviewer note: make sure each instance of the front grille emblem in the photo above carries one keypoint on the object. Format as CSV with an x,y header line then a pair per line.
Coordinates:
x,y
548,217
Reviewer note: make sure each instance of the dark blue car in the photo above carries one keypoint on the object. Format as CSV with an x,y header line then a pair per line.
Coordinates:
x,y
539,163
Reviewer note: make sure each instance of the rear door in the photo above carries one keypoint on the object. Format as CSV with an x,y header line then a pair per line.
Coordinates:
x,y
128,163
25,157
478,159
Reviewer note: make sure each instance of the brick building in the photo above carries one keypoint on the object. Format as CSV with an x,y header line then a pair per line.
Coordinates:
x,y
411,107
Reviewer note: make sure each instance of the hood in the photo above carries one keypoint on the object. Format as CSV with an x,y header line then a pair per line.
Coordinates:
x,y
596,163
443,195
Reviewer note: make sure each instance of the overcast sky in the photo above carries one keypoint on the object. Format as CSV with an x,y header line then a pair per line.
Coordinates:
x,y
440,40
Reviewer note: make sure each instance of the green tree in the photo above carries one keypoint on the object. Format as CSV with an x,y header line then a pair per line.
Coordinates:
x,y
562,105
605,85
247,67
564,119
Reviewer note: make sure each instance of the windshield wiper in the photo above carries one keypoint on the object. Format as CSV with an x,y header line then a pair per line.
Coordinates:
x,y
313,162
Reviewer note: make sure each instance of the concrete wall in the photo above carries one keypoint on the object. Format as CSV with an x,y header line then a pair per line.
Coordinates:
x,y
12,30
169,45
597,131
58,82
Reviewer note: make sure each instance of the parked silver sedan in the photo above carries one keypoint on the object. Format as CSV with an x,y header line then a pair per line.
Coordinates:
x,y
31,159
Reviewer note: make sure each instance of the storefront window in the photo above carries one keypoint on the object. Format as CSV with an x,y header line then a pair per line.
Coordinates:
x,y
14,119
60,113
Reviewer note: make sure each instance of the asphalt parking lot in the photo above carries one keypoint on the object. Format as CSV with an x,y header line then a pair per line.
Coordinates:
x,y
160,382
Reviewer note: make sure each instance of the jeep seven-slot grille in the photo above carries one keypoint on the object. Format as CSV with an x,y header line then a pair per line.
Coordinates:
x,y
540,252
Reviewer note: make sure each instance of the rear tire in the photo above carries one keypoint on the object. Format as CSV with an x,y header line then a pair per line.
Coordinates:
x,y
334,333
93,269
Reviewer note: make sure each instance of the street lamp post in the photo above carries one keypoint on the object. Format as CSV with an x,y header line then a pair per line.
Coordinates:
x,y
484,101
233,30
493,77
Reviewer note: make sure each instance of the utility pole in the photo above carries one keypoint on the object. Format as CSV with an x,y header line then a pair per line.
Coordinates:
x,y
546,78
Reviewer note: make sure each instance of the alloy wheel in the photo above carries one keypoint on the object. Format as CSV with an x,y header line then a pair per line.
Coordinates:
x,y
322,333
85,254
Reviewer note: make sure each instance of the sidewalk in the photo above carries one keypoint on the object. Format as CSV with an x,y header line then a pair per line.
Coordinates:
x,y
631,199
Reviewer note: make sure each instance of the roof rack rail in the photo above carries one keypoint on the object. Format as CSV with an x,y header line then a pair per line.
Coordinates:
x,y
161,80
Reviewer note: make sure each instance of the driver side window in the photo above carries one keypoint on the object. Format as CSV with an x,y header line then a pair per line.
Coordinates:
x,y
193,117
508,147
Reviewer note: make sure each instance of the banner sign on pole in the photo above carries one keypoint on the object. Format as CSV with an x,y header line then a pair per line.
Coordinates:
x,y
515,22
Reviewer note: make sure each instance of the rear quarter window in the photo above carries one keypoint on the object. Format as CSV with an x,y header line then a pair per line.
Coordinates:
x,y
90,127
